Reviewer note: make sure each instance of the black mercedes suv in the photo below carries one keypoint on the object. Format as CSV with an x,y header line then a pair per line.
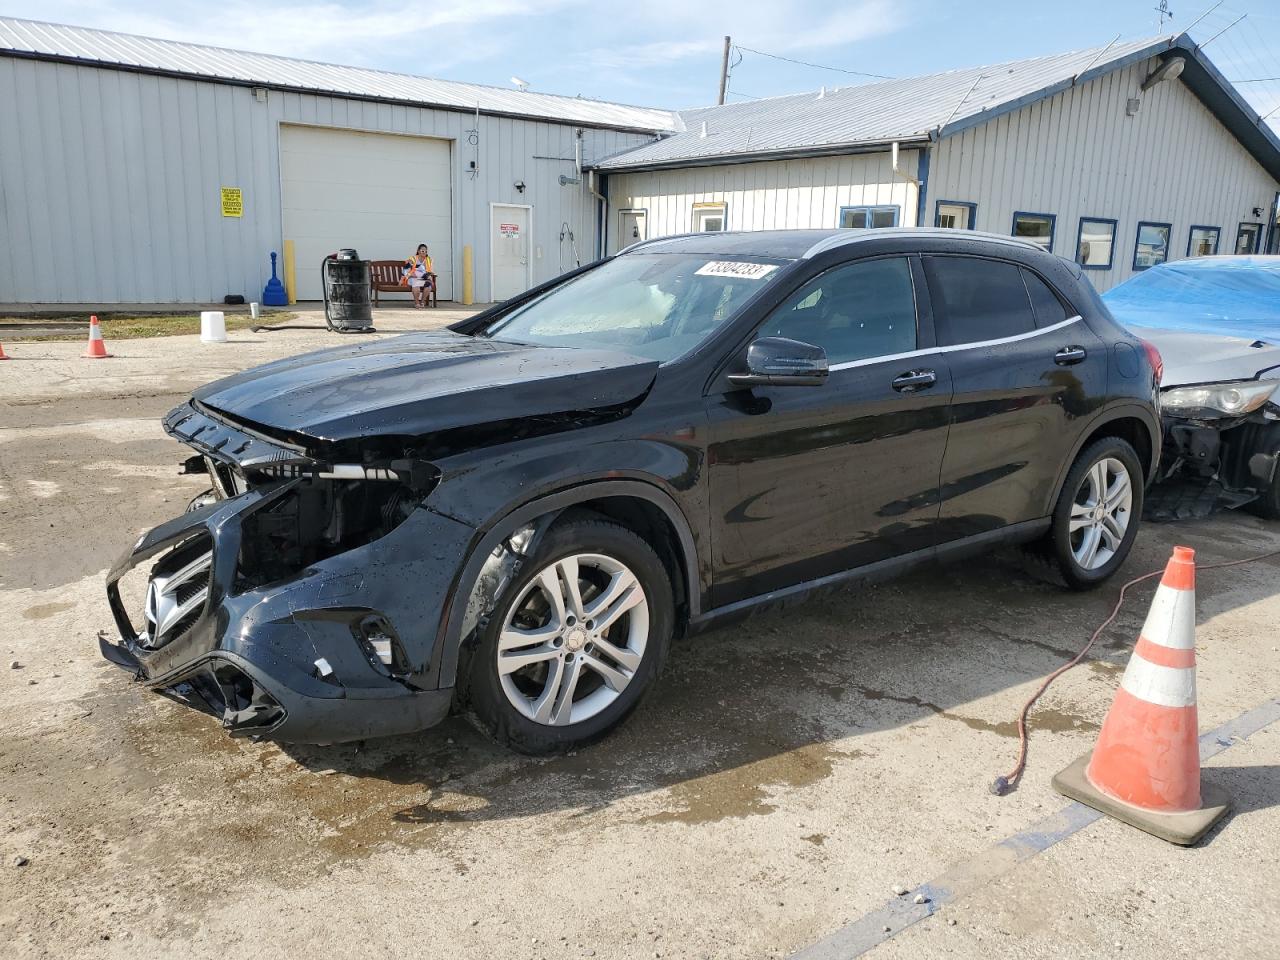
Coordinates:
x,y
517,515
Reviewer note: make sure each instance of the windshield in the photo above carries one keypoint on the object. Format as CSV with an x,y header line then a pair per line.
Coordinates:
x,y
654,305
1239,297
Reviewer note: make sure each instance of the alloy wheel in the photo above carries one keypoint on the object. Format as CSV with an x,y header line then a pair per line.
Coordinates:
x,y
1101,513
573,639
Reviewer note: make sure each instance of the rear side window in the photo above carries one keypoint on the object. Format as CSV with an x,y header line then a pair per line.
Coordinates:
x,y
976,300
1045,304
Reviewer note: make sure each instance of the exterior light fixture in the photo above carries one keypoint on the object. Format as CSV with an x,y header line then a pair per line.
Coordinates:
x,y
1171,69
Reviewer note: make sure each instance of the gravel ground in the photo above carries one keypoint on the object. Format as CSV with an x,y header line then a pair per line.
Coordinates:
x,y
786,773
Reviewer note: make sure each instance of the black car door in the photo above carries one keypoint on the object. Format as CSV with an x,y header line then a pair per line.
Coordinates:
x,y
806,481
1026,371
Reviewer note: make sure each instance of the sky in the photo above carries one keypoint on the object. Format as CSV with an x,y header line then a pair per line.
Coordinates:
x,y
666,53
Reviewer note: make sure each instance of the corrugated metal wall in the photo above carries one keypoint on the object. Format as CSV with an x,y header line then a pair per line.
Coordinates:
x,y
110,182
1078,155
777,194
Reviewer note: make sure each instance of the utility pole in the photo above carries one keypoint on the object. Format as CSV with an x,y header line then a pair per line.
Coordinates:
x,y
724,70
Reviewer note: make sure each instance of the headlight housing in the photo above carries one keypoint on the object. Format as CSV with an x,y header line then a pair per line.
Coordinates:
x,y
1217,400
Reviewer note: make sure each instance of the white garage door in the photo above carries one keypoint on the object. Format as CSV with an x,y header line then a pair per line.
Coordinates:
x,y
382,194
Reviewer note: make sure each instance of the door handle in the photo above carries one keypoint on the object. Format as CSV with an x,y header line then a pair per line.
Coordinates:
x,y
914,380
1069,355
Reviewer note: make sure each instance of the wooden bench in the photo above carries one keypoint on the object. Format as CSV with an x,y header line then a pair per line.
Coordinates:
x,y
384,276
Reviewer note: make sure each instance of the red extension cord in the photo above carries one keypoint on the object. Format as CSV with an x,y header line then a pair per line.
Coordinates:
x,y
1003,785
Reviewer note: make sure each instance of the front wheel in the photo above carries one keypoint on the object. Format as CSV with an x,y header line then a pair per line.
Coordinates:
x,y
1096,517
574,641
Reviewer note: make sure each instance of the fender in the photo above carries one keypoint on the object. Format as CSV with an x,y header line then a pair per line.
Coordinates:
x,y
449,638
1125,410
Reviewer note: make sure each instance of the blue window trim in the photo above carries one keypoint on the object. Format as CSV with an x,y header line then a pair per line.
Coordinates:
x,y
1138,233
897,212
1051,217
1217,243
1115,232
973,211
1257,235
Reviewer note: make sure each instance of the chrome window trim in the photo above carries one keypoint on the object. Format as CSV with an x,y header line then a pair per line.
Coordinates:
x,y
849,364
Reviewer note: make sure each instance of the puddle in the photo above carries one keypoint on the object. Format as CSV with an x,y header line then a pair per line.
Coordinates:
x,y
42,611
745,791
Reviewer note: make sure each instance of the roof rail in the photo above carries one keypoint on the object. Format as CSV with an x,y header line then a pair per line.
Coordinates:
x,y
846,237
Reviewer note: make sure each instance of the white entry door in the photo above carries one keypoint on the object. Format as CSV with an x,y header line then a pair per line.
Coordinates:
x,y
509,246
632,228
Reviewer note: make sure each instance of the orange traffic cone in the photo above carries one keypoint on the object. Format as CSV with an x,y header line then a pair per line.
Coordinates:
x,y
97,349
2,356
1145,768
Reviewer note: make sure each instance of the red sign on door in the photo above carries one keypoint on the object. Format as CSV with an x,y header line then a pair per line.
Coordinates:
x,y
509,229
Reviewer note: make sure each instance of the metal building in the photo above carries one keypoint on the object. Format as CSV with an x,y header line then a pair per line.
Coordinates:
x,y
1120,156
140,170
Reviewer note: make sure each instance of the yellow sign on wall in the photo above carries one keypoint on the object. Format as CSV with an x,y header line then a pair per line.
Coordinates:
x,y
232,202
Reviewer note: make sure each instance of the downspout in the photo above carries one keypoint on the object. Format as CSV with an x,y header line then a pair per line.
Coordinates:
x,y
603,221
602,214
919,184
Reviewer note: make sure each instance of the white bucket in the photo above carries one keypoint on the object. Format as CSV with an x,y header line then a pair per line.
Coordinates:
x,y
213,327
255,310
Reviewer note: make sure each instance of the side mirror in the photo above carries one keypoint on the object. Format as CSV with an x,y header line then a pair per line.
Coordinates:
x,y
779,362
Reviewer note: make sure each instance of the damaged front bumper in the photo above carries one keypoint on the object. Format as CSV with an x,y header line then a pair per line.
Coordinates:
x,y
1212,462
342,649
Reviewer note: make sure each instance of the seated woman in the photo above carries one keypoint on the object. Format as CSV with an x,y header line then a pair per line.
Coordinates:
x,y
416,274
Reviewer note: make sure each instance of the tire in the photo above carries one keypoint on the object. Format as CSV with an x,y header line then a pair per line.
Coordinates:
x,y
1267,506
1063,555
605,671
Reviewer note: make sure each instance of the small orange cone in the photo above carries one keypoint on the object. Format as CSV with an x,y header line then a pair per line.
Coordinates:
x,y
2,356
97,349
1145,768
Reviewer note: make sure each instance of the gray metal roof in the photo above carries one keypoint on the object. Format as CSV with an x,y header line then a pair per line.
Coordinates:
x,y
915,109
53,41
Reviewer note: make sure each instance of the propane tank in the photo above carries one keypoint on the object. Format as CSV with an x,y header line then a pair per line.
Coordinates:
x,y
348,307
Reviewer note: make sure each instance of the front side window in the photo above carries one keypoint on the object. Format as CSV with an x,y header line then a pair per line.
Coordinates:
x,y
655,305
1036,227
955,215
857,311
1247,236
1203,241
709,217
1152,245
1095,246
867,217
977,300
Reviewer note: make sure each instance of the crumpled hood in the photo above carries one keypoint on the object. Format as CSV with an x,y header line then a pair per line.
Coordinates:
x,y
1209,357
422,383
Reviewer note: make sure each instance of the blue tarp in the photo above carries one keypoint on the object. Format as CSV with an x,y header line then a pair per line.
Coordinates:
x,y
1237,296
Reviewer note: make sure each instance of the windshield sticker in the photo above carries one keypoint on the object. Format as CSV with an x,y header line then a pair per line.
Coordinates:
x,y
733,268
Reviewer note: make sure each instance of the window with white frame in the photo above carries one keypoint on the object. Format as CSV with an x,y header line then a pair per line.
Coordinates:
x,y
866,217
710,217
955,215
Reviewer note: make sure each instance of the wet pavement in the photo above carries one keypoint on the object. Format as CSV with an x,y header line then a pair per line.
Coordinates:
x,y
785,773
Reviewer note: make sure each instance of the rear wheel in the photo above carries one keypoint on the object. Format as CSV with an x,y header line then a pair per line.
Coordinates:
x,y
1096,518
1267,506
575,641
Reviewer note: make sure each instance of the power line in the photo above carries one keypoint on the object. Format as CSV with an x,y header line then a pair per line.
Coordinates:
x,y
816,66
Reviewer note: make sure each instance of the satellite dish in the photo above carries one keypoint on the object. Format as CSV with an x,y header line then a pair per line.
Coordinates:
x,y
522,84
